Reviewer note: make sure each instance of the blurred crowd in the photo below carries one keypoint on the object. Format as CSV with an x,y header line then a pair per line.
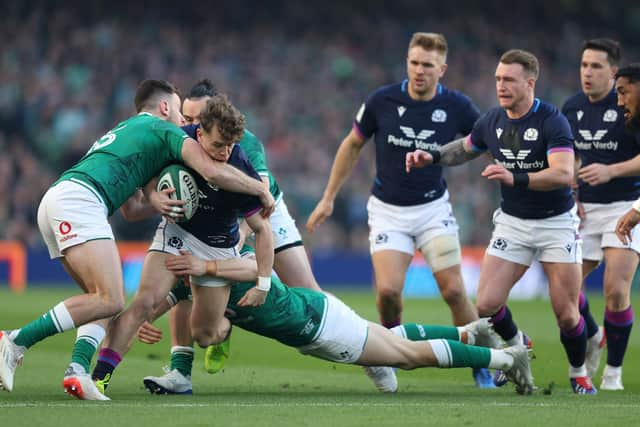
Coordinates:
x,y
298,70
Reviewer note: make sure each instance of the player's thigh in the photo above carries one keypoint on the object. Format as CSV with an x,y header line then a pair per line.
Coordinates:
x,y
384,348
497,277
565,283
588,266
293,268
390,267
209,304
442,252
96,264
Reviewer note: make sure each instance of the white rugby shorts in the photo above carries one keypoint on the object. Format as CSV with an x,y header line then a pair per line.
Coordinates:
x,y
283,227
171,239
553,239
403,228
598,229
342,335
72,213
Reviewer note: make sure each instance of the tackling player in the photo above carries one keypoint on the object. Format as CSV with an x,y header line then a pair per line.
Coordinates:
x,y
609,157
73,219
409,211
313,322
211,233
532,145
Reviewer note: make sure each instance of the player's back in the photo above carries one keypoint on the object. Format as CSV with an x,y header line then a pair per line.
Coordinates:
x,y
127,157
292,316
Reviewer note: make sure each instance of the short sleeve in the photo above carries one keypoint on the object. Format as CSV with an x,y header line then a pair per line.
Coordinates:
x,y
365,122
557,133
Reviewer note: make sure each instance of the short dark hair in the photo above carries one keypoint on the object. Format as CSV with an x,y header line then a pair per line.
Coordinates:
x,y
609,46
219,111
149,89
204,88
631,72
527,59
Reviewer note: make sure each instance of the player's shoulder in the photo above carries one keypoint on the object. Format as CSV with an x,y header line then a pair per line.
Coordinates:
x,y
492,115
191,130
575,102
545,109
453,95
249,138
391,91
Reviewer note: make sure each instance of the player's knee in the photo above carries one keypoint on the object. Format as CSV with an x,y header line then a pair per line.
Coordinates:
x,y
487,308
204,337
567,320
442,252
112,304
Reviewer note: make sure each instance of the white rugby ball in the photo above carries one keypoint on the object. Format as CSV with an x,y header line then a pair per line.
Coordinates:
x,y
179,177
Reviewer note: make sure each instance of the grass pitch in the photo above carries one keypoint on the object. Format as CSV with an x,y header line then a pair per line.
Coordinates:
x,y
268,384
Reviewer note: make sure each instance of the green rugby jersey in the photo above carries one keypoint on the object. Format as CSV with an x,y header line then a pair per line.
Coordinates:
x,y
127,157
254,150
292,316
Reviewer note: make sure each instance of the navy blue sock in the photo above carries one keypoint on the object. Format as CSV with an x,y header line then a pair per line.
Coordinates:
x,y
503,323
617,327
575,343
590,323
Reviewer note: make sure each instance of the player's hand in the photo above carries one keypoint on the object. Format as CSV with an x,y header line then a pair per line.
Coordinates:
x,y
169,208
595,174
186,264
322,211
253,298
268,204
417,159
626,224
497,172
149,334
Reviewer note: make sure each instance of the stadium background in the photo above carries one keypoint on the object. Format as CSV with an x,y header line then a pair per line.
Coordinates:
x,y
298,70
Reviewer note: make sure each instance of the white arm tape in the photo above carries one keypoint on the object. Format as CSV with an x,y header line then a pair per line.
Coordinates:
x,y
264,283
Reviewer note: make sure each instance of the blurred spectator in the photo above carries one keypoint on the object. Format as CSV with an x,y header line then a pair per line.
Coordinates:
x,y
298,70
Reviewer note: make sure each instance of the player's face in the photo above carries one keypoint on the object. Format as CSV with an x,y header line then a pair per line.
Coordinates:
x,y
173,110
596,74
424,69
512,85
191,108
213,144
629,101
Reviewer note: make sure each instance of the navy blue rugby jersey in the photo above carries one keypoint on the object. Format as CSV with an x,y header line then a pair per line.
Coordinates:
x,y
522,145
400,125
216,220
600,137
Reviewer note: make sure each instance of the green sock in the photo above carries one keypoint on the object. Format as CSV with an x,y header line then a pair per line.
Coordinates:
x,y
415,332
83,351
182,359
58,319
454,354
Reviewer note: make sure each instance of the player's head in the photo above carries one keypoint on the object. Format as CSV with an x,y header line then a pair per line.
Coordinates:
x,y
628,88
426,63
159,98
196,99
516,77
221,126
598,66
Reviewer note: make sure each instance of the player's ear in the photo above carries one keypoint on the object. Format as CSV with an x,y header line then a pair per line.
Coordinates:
x,y
443,69
164,107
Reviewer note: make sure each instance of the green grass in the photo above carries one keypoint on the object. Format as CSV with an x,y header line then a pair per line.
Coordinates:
x,y
268,384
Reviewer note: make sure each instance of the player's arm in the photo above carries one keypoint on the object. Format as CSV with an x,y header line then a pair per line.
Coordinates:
x,y
224,175
264,246
343,164
598,173
454,153
136,207
235,270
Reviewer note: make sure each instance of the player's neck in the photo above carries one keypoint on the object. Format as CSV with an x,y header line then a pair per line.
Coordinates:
x,y
426,96
520,109
600,96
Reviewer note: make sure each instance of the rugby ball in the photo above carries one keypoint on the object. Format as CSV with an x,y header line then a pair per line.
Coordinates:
x,y
180,178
